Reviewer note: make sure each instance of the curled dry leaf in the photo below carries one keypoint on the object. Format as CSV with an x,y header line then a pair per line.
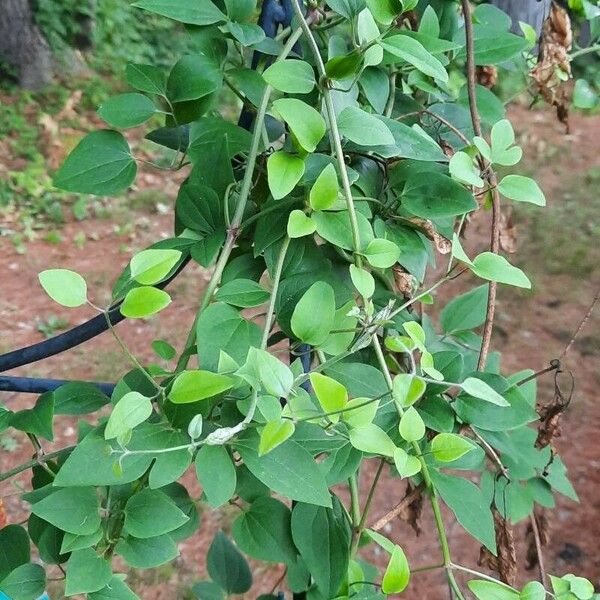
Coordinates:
x,y
442,244
403,281
3,519
487,76
543,525
550,414
553,69
505,564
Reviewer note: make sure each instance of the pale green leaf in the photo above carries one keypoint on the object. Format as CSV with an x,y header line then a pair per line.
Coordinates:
x,y
64,287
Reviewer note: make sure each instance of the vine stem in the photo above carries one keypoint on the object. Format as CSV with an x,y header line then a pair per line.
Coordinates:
x,y
490,175
233,231
435,505
335,133
36,461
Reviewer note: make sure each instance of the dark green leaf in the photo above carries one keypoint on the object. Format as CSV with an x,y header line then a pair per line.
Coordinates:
x,y
191,12
86,572
151,513
227,566
216,473
14,549
288,470
100,164
147,553
264,531
323,538
71,509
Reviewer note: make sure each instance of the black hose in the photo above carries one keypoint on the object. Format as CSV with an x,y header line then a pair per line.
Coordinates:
x,y
34,385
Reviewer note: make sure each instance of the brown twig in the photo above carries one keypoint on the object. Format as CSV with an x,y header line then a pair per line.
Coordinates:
x,y
538,548
32,463
392,514
582,325
491,178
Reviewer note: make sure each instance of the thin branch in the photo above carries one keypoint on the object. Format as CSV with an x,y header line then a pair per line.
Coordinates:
x,y
538,548
32,463
491,178
582,325
401,506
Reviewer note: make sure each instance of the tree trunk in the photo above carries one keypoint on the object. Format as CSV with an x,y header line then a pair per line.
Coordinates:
x,y
22,45
532,12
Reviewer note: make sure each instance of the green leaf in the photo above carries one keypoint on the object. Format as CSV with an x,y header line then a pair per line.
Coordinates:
x,y
385,11
584,95
470,505
36,420
148,552
382,253
332,396
284,171
26,582
291,76
146,78
323,539
411,427
335,227
502,138
194,76
364,129
480,389
447,447
324,191
73,542
151,513
131,410
191,386
306,123
488,590
191,12
127,110
372,439
406,465
221,328
65,287
397,573
244,293
300,224
100,164
264,531
216,473
313,317
227,566
407,389
347,8
522,189
143,302
164,350
86,572
436,196
14,549
289,470
413,52
533,590
71,509
273,434
363,281
276,377
115,589
494,267
463,169
153,265
581,587
466,311
360,411
207,590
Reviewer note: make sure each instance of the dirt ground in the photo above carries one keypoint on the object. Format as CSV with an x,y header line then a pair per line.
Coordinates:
x,y
535,327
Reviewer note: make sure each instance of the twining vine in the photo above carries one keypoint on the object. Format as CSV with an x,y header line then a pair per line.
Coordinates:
x,y
364,146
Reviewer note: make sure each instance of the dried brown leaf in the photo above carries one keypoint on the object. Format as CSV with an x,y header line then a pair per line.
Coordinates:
x,y
543,525
553,69
505,563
